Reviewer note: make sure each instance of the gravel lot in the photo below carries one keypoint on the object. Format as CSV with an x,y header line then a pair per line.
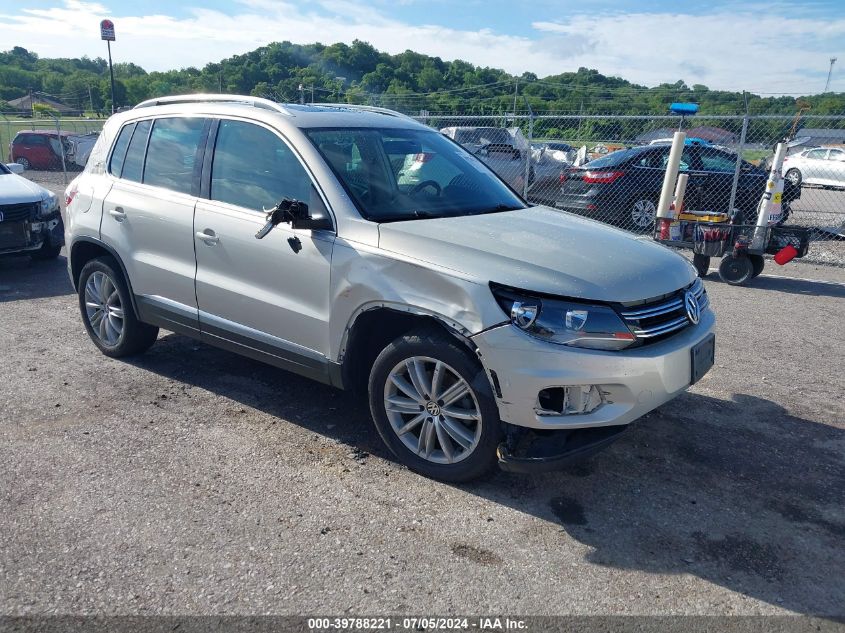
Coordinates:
x,y
190,480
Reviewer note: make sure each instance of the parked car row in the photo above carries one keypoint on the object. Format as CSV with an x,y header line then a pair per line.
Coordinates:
x,y
360,248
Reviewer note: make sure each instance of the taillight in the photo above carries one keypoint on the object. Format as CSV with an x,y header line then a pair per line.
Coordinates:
x,y
602,176
69,195
562,178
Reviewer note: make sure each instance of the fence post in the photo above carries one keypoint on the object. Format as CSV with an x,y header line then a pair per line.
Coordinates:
x,y
738,165
527,173
9,132
61,148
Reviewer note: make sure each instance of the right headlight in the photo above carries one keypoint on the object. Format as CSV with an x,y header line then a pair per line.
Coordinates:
x,y
563,321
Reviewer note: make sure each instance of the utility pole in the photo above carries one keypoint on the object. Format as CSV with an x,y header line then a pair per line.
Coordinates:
x,y
312,93
91,100
220,82
515,92
829,73
31,104
301,94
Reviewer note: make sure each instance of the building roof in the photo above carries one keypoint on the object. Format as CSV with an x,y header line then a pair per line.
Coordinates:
x,y
819,133
24,104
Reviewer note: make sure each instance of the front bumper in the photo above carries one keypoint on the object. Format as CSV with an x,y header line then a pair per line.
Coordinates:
x,y
30,235
634,381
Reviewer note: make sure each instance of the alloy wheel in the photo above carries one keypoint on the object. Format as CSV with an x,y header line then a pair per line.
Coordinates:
x,y
643,212
432,410
104,308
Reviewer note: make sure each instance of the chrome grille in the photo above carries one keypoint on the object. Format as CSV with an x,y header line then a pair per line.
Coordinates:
x,y
665,316
18,212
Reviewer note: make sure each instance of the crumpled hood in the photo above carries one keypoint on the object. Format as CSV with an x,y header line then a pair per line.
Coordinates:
x,y
16,190
543,250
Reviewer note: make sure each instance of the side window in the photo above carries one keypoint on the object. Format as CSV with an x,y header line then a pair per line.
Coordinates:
x,y
253,168
717,161
133,165
172,153
837,155
686,159
816,153
119,152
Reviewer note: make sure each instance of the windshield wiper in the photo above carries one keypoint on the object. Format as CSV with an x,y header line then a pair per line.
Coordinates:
x,y
498,208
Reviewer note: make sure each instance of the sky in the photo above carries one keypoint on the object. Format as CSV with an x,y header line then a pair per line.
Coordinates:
x,y
763,47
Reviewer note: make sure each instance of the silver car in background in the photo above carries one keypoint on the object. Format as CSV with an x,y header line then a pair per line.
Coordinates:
x,y
483,330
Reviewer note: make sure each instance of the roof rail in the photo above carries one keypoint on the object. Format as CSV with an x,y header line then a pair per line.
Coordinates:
x,y
256,102
362,108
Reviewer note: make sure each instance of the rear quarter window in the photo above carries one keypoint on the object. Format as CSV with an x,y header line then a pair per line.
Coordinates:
x,y
133,165
118,154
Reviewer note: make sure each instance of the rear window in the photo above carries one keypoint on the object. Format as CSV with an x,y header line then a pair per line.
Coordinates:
x,y
615,159
172,153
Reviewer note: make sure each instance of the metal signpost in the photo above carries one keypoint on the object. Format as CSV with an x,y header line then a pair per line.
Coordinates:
x,y
107,34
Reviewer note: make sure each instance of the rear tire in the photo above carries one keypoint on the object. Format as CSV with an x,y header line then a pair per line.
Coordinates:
x,y
106,307
701,263
412,384
735,270
24,161
757,265
641,214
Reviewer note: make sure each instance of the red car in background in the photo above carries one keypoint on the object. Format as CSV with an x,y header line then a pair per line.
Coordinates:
x,y
39,149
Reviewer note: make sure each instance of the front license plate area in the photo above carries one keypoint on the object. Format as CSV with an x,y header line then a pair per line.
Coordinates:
x,y
703,357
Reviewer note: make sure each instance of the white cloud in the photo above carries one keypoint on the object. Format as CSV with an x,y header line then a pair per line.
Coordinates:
x,y
731,50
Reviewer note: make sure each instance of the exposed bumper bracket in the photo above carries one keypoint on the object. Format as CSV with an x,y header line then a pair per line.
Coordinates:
x,y
545,451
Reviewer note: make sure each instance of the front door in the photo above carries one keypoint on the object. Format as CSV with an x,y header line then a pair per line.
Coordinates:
x,y
269,297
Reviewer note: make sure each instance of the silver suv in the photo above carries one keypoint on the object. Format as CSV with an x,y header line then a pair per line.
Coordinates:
x,y
482,328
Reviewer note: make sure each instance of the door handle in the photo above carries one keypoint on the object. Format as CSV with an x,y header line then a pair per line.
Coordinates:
x,y
209,238
118,214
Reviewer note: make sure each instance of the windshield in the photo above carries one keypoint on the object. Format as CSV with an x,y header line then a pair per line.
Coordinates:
x,y
394,174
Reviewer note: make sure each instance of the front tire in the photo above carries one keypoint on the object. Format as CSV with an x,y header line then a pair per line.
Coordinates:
x,y
433,406
107,313
736,269
794,176
24,162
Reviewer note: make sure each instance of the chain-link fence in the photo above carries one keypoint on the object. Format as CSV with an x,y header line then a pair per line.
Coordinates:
x,y
49,143
611,168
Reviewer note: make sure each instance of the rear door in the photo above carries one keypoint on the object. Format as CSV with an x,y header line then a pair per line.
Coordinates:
x,y
267,298
148,216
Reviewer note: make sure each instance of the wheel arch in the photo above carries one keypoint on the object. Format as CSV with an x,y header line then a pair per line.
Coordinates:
x,y
83,250
372,328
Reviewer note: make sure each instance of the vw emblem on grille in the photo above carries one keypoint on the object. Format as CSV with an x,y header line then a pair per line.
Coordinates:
x,y
693,311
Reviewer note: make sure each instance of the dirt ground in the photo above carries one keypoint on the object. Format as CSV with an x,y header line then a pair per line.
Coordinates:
x,y
190,480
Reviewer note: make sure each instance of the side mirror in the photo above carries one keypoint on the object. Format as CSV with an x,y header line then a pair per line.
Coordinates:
x,y
15,168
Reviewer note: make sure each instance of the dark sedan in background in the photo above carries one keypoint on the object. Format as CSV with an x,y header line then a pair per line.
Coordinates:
x,y
623,187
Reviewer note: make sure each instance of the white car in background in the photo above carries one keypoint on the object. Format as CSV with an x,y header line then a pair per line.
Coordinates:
x,y
816,166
